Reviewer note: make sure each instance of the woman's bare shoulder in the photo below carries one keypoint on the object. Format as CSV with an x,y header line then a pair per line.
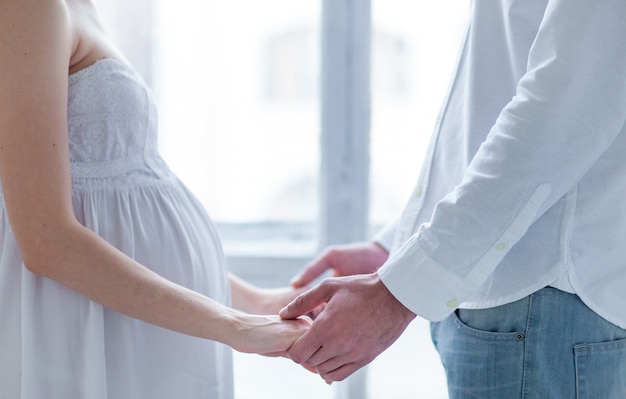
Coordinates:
x,y
34,31
23,12
62,36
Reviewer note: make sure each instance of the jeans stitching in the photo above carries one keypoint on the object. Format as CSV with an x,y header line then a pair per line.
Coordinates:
x,y
483,335
578,381
527,337
582,354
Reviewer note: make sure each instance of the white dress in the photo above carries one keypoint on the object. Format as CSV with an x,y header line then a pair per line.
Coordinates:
x,y
55,343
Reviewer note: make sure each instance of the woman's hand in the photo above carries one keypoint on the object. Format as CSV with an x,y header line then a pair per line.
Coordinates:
x,y
272,300
266,335
265,301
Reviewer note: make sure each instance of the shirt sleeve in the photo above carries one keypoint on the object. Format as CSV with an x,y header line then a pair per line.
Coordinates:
x,y
567,110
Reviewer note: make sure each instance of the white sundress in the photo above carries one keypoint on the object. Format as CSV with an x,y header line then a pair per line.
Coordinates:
x,y
55,343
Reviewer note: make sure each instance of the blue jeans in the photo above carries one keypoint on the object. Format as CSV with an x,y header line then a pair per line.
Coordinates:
x,y
547,345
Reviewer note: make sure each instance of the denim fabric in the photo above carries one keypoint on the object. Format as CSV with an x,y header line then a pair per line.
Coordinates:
x,y
547,345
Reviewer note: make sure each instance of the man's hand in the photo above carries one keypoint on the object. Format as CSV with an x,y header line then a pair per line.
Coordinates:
x,y
343,260
361,319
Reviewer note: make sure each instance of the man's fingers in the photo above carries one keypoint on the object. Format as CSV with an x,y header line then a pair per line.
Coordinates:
x,y
305,302
321,356
310,273
310,346
340,373
303,349
335,360
326,360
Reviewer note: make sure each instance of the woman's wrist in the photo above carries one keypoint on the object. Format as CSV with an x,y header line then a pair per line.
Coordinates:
x,y
226,327
245,332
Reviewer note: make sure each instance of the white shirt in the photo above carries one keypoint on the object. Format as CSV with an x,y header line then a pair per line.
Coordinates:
x,y
524,183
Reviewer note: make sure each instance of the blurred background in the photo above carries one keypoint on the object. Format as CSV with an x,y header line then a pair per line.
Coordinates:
x,y
238,86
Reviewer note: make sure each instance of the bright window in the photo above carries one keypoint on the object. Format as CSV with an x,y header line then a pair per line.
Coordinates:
x,y
239,103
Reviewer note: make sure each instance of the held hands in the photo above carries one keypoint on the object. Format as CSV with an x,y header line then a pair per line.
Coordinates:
x,y
270,336
361,319
344,260
254,329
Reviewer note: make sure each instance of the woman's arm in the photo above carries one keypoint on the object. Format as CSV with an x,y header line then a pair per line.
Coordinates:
x,y
256,300
36,44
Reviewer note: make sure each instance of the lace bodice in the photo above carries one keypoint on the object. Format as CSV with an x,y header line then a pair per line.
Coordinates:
x,y
112,124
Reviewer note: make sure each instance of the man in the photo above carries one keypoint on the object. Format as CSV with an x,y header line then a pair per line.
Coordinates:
x,y
512,242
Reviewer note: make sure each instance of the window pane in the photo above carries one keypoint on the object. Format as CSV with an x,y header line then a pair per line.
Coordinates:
x,y
238,96
414,47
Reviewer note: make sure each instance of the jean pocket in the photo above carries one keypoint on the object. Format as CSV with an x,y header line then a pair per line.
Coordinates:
x,y
487,325
479,363
601,370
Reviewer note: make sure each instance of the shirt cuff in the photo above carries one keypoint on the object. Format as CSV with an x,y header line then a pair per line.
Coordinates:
x,y
423,286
